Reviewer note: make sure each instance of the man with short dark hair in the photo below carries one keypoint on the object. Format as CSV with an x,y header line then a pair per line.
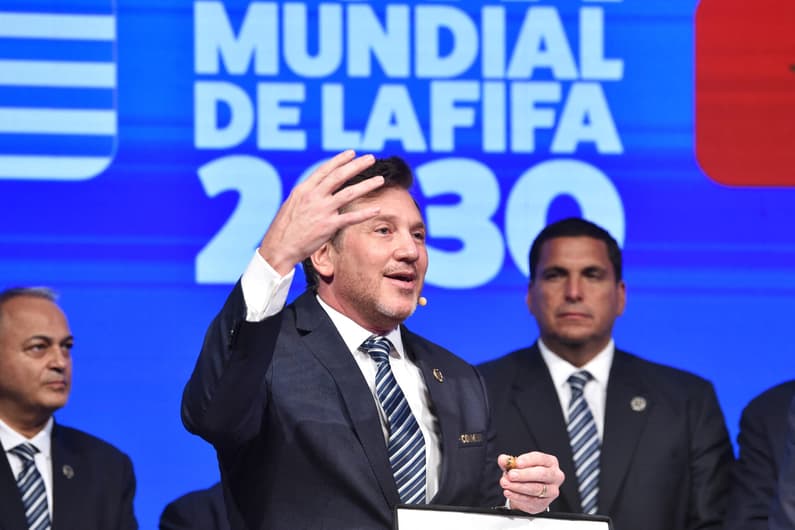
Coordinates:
x,y
643,443
328,412
51,476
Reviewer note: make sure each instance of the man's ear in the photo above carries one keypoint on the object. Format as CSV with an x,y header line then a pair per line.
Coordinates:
x,y
322,260
622,298
528,299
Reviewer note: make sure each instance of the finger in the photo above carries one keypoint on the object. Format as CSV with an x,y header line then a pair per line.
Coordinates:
x,y
332,182
526,503
354,217
547,485
537,490
536,458
324,169
542,493
535,475
349,194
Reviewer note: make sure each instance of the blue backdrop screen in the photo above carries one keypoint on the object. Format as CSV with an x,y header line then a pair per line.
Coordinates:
x,y
145,146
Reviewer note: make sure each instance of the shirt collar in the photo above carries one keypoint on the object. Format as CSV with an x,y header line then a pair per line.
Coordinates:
x,y
560,369
354,335
11,438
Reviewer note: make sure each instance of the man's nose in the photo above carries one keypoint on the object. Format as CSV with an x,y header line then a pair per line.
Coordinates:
x,y
407,248
60,357
574,288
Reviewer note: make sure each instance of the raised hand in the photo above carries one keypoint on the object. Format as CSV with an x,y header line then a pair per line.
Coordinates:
x,y
310,215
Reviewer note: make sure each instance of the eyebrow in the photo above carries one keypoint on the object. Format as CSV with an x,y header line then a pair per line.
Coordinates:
x,y
392,218
51,340
561,268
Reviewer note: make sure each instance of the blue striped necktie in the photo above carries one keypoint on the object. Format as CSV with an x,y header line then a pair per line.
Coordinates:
x,y
31,487
585,444
406,445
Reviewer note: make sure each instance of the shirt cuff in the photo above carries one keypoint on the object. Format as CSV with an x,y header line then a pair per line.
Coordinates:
x,y
264,290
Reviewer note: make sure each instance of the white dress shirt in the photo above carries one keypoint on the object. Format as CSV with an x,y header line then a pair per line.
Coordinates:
x,y
265,294
43,459
595,391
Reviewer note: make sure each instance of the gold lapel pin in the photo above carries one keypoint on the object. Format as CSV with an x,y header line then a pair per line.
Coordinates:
x,y
438,375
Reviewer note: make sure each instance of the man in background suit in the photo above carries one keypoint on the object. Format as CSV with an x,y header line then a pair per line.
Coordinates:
x,y
658,446
763,444
197,510
71,480
782,511
290,396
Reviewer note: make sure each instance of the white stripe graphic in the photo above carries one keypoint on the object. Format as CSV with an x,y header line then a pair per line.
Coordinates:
x,y
57,26
57,121
40,167
58,74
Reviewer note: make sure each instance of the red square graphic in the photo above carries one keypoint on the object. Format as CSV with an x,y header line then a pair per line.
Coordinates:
x,y
745,91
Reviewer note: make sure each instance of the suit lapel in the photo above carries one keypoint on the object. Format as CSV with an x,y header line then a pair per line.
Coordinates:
x,y
325,342
626,412
12,513
536,401
442,403
67,481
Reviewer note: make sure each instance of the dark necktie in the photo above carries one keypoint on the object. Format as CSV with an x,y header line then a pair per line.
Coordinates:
x,y
585,444
31,487
406,445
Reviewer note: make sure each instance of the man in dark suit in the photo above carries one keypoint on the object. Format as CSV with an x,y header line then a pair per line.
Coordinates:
x,y
197,510
292,397
648,445
763,444
782,511
69,480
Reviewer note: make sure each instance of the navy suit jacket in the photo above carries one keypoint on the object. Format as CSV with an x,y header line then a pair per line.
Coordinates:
x,y
297,432
197,510
93,486
782,511
762,441
665,458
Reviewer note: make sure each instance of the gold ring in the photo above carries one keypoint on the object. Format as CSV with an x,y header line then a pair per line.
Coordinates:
x,y
543,492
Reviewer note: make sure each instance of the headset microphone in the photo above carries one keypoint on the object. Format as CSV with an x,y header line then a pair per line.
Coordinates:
x,y
422,301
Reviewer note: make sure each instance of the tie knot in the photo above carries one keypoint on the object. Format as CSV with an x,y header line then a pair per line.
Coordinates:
x,y
378,348
577,380
24,451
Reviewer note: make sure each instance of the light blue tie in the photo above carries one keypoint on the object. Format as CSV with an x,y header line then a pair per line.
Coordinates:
x,y
585,444
406,445
31,487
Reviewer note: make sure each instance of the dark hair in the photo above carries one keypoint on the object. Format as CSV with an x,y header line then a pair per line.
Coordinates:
x,y
575,227
45,293
396,173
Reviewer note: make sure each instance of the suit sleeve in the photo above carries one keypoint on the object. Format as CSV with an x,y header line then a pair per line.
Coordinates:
x,y
189,512
491,492
173,519
711,457
200,509
127,519
225,396
753,475
782,510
